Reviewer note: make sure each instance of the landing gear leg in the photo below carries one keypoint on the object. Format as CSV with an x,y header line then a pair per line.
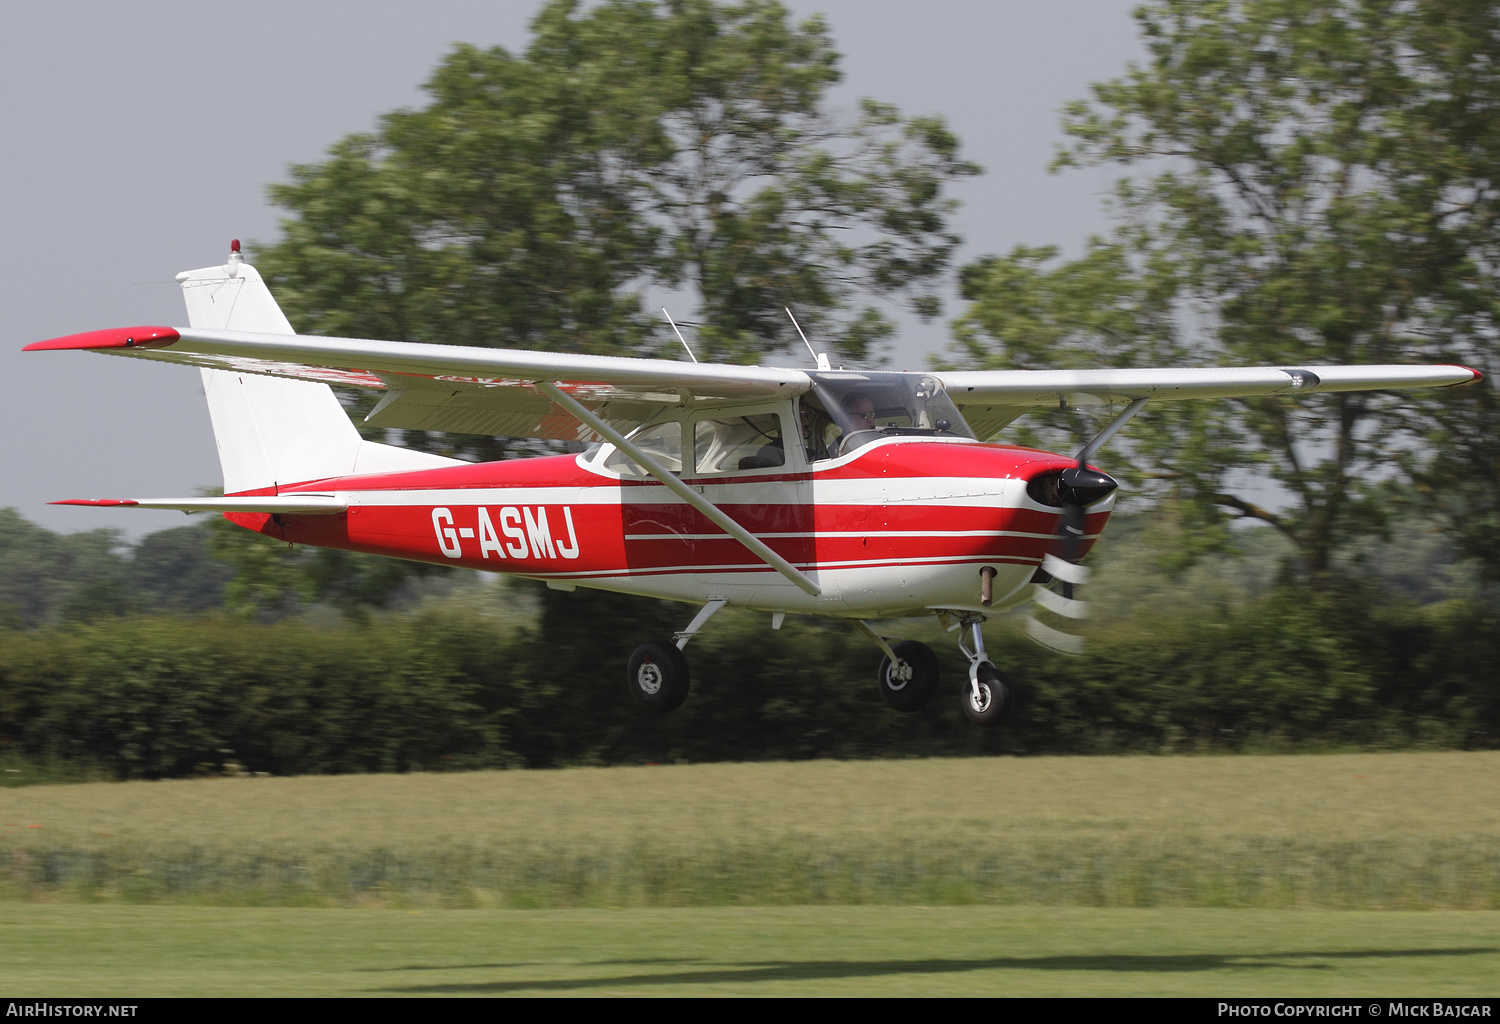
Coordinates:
x,y
657,676
987,698
704,614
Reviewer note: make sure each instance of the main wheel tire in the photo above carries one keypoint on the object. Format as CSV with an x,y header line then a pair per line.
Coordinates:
x,y
992,704
909,684
657,676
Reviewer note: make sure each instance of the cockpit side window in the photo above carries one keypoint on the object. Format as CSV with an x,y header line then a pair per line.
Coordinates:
x,y
867,406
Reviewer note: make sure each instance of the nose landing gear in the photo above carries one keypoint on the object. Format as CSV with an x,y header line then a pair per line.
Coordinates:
x,y
986,700
908,674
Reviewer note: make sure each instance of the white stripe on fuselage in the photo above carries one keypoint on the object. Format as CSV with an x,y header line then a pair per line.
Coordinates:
x,y
956,491
833,534
747,566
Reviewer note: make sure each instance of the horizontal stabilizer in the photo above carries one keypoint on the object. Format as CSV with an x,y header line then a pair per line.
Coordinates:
x,y
289,504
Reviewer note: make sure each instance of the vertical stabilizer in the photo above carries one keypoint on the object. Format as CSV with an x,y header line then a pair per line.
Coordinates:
x,y
272,431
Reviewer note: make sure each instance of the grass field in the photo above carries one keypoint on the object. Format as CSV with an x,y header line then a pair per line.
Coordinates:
x,y
1349,832
80,951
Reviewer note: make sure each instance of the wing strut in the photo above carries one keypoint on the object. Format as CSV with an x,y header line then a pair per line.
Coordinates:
x,y
1088,451
757,546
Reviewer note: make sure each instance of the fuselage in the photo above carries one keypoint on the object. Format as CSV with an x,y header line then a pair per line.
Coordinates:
x,y
897,527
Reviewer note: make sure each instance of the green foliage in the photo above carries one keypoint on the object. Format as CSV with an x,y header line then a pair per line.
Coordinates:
x,y
268,577
47,577
1462,480
271,578
1315,186
633,143
153,697
41,573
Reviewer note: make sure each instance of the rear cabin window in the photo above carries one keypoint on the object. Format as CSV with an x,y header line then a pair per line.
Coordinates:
x,y
733,444
661,441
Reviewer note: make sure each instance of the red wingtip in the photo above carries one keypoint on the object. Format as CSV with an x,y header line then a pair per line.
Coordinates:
x,y
1477,375
97,502
114,337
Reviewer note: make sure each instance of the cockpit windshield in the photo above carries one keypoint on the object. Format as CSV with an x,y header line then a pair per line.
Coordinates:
x,y
859,407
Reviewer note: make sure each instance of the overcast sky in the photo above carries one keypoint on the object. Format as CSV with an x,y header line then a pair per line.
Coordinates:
x,y
139,139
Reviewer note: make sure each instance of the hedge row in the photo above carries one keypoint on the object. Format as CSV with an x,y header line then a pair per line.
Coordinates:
x,y
164,696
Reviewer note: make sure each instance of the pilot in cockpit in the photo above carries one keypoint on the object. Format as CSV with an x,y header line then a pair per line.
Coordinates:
x,y
861,408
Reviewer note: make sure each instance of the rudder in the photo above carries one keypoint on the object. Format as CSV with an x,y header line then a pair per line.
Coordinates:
x,y
270,430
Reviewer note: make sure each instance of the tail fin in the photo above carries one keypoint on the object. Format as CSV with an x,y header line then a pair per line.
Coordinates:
x,y
272,431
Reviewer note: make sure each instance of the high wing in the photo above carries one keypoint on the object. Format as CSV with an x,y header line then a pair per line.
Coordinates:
x,y
989,399
449,387
493,391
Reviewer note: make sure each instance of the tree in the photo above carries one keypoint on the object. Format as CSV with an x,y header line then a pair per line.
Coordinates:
x,y
634,144
1316,186
682,145
272,579
47,577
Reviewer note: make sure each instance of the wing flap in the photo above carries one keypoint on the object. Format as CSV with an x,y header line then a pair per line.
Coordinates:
x,y
517,410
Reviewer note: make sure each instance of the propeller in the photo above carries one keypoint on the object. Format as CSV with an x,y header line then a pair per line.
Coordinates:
x,y
1075,489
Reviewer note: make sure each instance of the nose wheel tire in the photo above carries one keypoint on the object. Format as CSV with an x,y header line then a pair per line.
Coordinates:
x,y
909,684
987,700
657,676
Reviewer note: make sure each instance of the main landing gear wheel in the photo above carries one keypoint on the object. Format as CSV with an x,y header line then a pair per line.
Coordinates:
x,y
907,685
987,699
658,676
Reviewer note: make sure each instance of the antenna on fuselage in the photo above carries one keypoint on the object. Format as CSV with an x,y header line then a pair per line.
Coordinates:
x,y
821,358
679,333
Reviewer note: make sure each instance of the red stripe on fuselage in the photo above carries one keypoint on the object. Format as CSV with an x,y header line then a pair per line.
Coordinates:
x,y
672,535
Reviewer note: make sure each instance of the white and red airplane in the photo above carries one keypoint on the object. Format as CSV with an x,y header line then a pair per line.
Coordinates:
x,y
863,495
